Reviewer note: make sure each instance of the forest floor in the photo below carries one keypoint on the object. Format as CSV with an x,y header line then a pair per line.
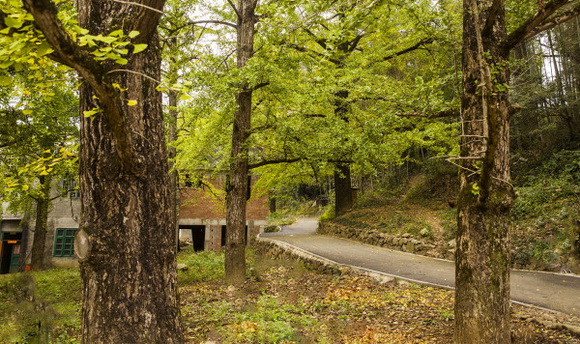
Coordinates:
x,y
281,302
284,302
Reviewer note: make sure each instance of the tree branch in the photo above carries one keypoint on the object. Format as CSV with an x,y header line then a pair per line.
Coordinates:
x,y
138,4
412,48
213,22
354,43
71,54
234,8
546,25
312,53
492,16
272,162
260,85
320,41
532,25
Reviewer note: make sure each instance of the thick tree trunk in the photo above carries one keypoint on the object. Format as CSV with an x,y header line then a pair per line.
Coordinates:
x,y
343,199
41,224
482,305
342,189
126,244
237,185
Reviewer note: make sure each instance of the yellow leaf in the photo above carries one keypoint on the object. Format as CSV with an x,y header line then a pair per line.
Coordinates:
x,y
132,102
139,48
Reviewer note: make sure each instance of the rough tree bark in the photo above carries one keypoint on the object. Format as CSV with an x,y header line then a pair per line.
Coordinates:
x,y
482,305
482,263
126,242
173,175
41,224
343,199
237,188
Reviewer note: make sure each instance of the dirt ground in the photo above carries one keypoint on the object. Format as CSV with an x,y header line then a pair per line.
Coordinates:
x,y
284,302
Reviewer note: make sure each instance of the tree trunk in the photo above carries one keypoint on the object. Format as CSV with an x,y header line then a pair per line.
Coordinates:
x,y
482,305
237,185
174,175
343,200
126,244
343,189
41,224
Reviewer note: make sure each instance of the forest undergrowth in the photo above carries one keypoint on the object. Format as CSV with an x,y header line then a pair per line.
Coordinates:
x,y
281,302
545,219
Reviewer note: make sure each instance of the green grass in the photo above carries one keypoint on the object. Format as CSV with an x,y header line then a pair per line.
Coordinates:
x,y
40,307
201,266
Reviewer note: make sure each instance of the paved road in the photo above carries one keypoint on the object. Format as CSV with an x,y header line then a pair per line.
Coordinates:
x,y
557,292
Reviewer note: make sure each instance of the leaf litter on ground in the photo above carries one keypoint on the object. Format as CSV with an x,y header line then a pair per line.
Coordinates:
x,y
284,302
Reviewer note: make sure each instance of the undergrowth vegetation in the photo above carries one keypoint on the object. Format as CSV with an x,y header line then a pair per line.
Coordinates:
x,y
40,307
546,213
281,302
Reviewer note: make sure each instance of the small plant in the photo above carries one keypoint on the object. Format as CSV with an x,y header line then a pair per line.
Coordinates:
x,y
446,315
329,213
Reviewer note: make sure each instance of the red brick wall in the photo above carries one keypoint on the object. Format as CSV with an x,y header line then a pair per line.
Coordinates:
x,y
209,203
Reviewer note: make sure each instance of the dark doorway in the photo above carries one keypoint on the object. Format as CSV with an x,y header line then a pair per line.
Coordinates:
x,y
9,252
197,236
224,236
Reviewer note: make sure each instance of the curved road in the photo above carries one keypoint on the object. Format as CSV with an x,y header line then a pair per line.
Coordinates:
x,y
557,292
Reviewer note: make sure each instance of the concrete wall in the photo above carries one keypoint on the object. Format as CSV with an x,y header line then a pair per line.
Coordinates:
x,y
64,213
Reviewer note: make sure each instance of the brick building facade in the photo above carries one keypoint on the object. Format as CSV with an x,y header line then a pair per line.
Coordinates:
x,y
201,222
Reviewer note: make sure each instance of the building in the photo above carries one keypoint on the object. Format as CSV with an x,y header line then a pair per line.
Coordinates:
x,y
10,241
201,223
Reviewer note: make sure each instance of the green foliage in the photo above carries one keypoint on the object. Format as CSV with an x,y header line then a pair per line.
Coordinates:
x,y
329,213
40,307
268,322
549,185
280,219
201,266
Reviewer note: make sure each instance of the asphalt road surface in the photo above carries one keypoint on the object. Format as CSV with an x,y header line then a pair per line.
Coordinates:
x,y
559,292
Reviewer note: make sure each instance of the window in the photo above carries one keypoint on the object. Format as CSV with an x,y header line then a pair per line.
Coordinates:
x,y
71,188
64,242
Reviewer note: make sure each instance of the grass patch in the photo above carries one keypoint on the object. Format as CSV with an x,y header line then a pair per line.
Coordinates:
x,y
40,307
201,266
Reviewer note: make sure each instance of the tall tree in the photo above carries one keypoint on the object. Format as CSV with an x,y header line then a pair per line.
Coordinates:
x,y
125,244
482,307
237,185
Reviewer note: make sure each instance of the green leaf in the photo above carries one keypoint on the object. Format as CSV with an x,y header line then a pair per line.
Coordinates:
x,y
122,61
13,22
117,33
133,34
6,64
5,80
139,48
44,48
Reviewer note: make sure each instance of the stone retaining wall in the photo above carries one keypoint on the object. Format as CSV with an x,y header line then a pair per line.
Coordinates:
x,y
281,250
404,242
